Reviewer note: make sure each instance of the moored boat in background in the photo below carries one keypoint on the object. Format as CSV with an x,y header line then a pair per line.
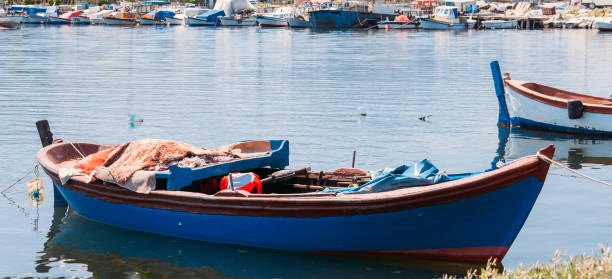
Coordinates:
x,y
98,18
156,17
277,18
500,24
400,22
530,104
208,18
121,18
358,17
237,21
604,24
65,18
444,18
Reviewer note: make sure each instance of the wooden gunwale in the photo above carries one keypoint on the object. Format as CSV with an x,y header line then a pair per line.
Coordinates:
x,y
561,101
311,204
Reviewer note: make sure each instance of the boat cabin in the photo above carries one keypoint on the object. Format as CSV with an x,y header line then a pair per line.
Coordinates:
x,y
446,13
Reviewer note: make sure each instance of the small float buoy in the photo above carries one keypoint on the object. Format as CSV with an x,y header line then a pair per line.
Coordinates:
x,y
386,27
93,24
35,191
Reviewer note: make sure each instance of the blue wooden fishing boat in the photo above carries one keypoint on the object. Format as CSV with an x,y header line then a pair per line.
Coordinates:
x,y
463,217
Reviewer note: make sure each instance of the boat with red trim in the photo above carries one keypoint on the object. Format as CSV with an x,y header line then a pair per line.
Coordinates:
x,y
464,217
121,18
530,104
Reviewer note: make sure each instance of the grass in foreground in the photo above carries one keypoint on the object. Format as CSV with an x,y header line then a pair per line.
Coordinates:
x,y
598,265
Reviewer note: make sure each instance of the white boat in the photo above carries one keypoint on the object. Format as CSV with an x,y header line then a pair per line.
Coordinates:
x,y
177,19
208,18
277,18
500,24
529,104
98,18
237,21
237,12
59,20
271,21
80,20
299,22
445,18
10,22
603,25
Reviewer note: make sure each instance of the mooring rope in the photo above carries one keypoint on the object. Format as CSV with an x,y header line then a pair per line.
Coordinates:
x,y
34,169
551,161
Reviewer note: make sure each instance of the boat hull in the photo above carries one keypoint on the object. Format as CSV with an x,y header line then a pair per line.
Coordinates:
x,y
528,112
266,21
192,21
238,22
59,20
34,19
299,23
397,25
10,22
116,21
96,21
80,20
432,24
146,21
343,19
421,232
500,24
174,21
603,26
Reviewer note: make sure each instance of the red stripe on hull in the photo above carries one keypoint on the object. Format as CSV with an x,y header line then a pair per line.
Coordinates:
x,y
465,255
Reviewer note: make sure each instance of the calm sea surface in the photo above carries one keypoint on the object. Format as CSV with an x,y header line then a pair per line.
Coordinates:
x,y
211,87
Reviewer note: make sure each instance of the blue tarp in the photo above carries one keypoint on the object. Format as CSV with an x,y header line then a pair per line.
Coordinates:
x,y
155,3
164,14
211,15
29,10
419,174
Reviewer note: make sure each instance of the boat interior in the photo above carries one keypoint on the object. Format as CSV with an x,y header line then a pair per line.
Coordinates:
x,y
273,180
562,94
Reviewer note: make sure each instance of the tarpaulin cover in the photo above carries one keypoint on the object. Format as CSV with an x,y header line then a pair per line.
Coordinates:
x,y
29,10
419,174
211,15
155,3
164,14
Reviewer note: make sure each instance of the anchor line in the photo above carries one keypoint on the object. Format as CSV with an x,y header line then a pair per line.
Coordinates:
x,y
553,162
34,169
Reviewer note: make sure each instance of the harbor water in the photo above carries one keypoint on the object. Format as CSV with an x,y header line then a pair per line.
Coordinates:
x,y
394,97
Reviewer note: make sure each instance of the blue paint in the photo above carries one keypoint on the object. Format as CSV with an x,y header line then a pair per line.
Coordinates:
x,y
491,219
519,121
58,199
179,177
504,118
343,19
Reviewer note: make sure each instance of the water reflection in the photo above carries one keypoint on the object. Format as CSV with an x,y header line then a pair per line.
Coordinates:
x,y
107,251
574,150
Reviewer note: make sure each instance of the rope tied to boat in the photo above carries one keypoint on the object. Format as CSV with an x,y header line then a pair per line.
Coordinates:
x,y
553,162
35,170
